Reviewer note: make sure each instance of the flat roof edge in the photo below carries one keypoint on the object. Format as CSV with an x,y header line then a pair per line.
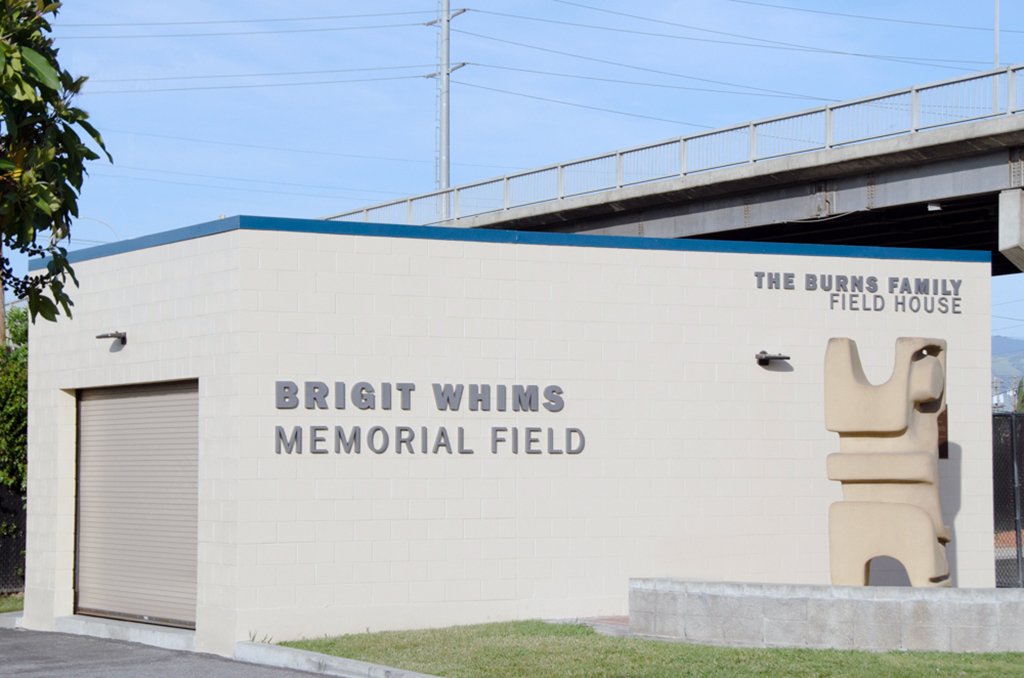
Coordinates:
x,y
320,226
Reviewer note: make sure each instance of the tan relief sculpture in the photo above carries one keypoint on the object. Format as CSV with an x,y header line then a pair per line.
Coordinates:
x,y
888,462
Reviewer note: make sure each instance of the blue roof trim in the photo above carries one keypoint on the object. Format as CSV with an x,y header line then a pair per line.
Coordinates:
x,y
146,241
520,237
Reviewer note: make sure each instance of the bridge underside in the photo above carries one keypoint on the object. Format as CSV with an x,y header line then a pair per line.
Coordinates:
x,y
970,223
935,189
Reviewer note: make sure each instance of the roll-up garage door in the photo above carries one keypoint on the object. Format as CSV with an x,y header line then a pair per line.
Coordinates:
x,y
138,495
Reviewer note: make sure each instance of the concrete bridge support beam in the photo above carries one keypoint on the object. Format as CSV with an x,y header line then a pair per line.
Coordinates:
x,y
1011,226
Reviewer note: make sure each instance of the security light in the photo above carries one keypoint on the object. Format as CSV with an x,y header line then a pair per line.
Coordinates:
x,y
123,336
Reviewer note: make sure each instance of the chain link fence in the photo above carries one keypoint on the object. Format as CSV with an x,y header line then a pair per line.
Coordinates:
x,y
1007,464
12,541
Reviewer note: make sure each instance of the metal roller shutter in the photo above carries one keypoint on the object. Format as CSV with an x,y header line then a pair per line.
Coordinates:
x,y
138,496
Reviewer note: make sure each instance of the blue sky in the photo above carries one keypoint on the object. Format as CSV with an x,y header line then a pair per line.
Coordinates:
x,y
363,130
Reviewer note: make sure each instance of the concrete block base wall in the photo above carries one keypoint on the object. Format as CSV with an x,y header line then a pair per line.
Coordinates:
x,y
840,617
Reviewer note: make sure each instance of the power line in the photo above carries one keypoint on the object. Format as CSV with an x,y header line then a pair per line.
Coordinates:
x,y
874,18
1004,303
258,181
208,35
640,68
569,103
293,150
633,82
221,188
791,47
1003,317
241,21
271,84
260,75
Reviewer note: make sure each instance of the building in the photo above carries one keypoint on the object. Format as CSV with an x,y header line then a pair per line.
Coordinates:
x,y
290,428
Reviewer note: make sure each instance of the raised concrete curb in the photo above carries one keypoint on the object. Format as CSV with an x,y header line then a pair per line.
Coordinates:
x,y
157,636
10,620
840,617
301,660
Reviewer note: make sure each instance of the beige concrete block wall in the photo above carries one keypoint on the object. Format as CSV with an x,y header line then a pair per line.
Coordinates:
x,y
179,304
698,462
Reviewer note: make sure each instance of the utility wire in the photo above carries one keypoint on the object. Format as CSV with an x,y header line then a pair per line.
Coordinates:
x,y
294,150
874,18
1003,317
242,21
259,181
260,75
220,188
209,35
633,82
790,47
569,103
272,84
639,68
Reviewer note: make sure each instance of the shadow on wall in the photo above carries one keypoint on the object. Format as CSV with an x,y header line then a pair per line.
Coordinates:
x,y
887,571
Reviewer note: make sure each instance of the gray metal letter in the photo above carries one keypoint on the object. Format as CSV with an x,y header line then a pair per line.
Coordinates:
x,y
316,395
495,438
314,439
442,441
530,440
369,439
295,442
462,443
404,436
480,396
555,401
362,396
349,443
448,397
551,443
287,395
569,449
524,399
405,390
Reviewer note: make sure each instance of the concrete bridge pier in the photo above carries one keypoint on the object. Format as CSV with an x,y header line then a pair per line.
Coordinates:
x,y
1011,226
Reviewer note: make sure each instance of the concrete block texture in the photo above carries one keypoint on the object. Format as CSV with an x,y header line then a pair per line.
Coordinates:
x,y
880,618
650,347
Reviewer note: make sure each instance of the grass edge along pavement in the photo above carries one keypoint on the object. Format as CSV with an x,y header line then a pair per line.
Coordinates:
x,y
12,603
527,649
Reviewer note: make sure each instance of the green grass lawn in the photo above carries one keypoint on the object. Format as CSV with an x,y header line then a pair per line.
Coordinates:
x,y
11,603
535,649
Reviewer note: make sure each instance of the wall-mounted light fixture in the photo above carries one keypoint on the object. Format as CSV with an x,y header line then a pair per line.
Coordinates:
x,y
763,358
123,336
934,207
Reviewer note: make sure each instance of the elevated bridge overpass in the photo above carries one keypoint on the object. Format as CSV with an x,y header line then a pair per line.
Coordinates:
x,y
939,165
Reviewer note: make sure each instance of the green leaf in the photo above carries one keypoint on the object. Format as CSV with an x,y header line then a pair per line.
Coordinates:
x,y
47,308
6,164
94,133
40,68
41,203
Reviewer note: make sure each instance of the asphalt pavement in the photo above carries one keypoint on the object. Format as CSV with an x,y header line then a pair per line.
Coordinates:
x,y
35,654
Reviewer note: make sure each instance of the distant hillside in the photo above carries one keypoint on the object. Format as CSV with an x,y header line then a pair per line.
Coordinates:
x,y
1007,359
1005,346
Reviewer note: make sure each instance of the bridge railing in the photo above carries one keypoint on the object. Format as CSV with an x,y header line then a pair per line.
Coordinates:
x,y
905,111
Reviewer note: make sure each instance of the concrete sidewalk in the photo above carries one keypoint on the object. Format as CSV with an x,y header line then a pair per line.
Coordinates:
x,y
34,654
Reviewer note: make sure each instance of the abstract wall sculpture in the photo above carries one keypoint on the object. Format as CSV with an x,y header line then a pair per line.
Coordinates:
x,y
888,462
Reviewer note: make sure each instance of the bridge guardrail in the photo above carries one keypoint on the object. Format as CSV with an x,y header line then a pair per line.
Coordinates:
x,y
909,110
